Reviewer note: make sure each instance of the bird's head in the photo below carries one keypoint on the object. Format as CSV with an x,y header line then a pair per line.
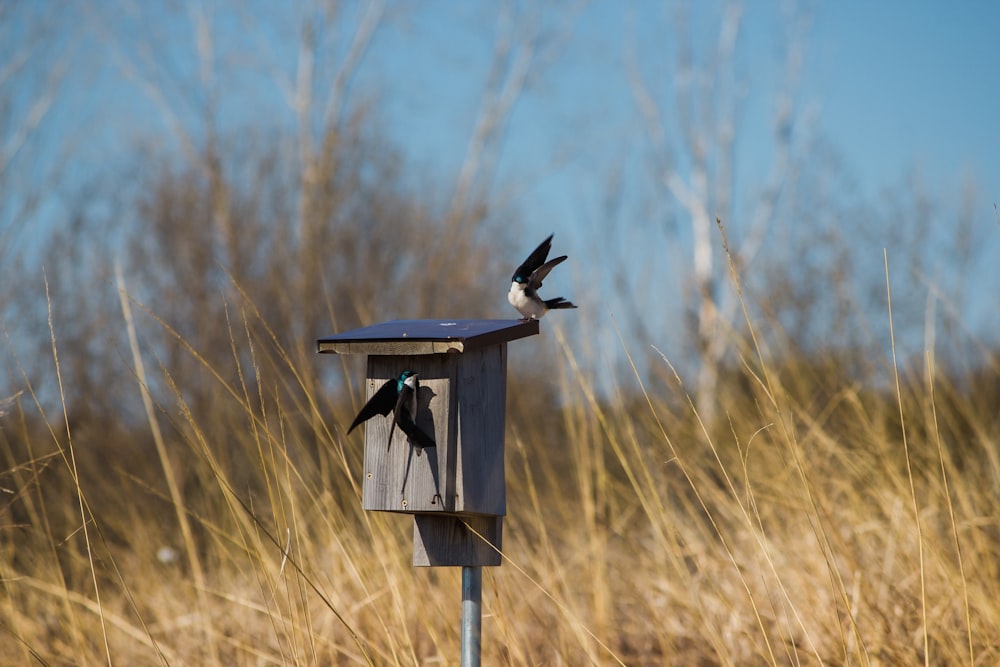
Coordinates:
x,y
408,377
520,282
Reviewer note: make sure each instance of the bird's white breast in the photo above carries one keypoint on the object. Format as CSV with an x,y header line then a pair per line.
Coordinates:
x,y
525,305
411,382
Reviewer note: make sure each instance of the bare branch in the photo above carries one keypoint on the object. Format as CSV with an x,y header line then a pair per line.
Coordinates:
x,y
359,46
648,108
514,51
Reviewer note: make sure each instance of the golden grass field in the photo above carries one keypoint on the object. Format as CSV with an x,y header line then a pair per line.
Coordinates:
x,y
820,521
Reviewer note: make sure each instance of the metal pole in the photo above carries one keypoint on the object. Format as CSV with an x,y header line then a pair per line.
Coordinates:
x,y
472,615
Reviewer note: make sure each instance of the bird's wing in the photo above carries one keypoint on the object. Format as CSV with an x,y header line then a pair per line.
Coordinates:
x,y
392,429
539,274
413,432
399,409
381,403
535,259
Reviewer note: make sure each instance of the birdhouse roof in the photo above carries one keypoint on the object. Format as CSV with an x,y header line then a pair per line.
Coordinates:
x,y
426,336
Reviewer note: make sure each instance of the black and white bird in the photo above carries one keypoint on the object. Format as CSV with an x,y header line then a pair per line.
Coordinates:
x,y
525,282
398,396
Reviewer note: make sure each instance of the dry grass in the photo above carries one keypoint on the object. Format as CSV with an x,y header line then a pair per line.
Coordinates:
x,y
818,524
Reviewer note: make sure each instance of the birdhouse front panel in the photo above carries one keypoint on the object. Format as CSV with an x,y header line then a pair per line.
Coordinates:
x,y
460,405
400,476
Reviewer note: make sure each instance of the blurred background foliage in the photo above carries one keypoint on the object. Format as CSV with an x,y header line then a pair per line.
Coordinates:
x,y
241,240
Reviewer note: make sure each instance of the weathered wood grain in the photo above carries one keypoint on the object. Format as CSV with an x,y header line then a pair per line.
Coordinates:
x,y
396,479
462,406
444,540
426,336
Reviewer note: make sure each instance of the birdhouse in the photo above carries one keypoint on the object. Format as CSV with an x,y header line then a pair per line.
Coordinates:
x,y
456,490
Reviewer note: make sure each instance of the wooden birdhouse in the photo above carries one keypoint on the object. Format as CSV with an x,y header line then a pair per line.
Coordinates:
x,y
457,488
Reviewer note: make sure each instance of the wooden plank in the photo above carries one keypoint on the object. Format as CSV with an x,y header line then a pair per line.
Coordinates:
x,y
481,387
391,347
444,540
426,336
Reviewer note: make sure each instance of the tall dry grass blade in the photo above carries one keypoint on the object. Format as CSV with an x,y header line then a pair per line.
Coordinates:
x,y
719,533
115,621
25,645
74,472
287,557
951,509
43,513
909,469
639,477
176,497
577,621
738,285
301,381
247,512
233,392
788,434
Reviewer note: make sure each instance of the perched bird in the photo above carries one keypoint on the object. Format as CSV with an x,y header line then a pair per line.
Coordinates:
x,y
525,282
398,396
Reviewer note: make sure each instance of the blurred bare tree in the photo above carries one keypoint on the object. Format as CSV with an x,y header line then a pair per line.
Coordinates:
x,y
804,239
692,109
34,54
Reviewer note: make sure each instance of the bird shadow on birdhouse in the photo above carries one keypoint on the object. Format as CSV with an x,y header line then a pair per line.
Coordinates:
x,y
424,420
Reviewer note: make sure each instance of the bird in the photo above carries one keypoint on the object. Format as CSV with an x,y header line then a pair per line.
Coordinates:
x,y
525,282
398,396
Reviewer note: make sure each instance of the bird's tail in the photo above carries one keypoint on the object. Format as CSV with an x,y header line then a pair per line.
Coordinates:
x,y
559,302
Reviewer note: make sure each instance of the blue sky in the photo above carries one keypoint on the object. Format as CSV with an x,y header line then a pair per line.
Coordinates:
x,y
911,85
895,88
